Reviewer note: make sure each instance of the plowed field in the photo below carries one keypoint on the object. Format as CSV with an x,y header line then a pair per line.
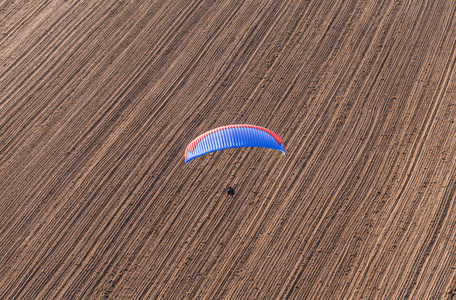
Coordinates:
x,y
99,99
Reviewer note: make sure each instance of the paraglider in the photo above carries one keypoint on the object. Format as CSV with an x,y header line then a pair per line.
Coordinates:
x,y
233,136
230,191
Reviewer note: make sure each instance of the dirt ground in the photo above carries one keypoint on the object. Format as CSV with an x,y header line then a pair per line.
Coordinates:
x,y
99,99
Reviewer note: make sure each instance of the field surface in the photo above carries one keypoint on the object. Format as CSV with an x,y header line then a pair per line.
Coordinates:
x,y
99,99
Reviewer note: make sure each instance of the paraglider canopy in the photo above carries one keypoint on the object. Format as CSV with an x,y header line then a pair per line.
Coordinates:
x,y
233,136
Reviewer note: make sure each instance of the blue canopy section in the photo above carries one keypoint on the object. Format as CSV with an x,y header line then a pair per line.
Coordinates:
x,y
233,136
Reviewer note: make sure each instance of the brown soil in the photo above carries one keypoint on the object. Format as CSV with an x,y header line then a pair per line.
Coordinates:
x,y
98,100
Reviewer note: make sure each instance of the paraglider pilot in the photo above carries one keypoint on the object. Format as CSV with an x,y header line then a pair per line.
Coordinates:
x,y
230,191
